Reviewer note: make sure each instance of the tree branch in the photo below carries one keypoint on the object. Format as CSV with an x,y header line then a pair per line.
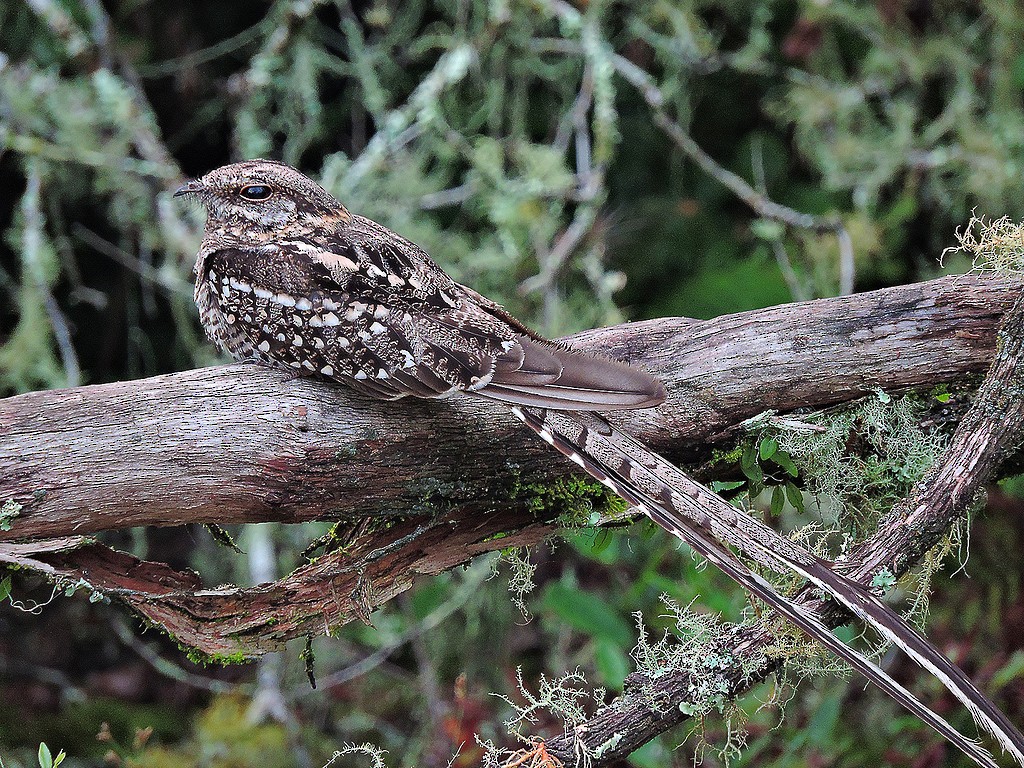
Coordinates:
x,y
241,443
445,480
992,426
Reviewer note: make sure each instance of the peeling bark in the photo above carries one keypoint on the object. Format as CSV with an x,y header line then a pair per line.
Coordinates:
x,y
246,444
241,443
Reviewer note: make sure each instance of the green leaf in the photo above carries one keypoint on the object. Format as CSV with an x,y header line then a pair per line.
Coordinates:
x,y
59,758
750,468
5,588
784,460
795,496
601,541
726,485
767,448
1012,670
598,544
748,458
586,612
45,758
778,500
943,397
612,663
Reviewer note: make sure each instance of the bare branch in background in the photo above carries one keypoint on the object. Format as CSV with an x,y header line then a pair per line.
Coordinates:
x,y
797,290
759,203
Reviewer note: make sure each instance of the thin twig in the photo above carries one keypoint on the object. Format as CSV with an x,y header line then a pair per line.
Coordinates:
x,y
567,242
203,55
473,577
447,197
760,203
61,24
144,137
269,699
62,335
588,182
846,264
161,278
168,668
403,124
34,273
793,282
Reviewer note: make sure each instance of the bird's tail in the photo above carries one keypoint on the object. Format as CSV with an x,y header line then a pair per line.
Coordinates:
x,y
707,523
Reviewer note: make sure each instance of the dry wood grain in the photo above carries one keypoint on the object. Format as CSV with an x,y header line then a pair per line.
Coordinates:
x,y
457,478
242,443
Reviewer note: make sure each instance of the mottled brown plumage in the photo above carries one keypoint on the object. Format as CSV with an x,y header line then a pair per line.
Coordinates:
x,y
286,275
294,279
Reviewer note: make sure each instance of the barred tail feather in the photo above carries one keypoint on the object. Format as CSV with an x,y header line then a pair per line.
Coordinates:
x,y
760,539
664,494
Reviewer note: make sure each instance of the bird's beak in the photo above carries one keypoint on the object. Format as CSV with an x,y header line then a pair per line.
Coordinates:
x,y
189,188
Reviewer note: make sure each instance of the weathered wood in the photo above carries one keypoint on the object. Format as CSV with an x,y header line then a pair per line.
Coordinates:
x,y
244,444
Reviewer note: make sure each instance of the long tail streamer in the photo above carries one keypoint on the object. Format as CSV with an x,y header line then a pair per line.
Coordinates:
x,y
707,524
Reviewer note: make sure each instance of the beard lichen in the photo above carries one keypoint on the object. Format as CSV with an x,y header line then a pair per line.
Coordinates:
x,y
700,647
858,461
993,245
855,463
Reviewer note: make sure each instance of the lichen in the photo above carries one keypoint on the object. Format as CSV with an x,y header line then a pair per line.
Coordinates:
x,y
562,697
373,752
859,461
10,510
700,649
520,580
993,245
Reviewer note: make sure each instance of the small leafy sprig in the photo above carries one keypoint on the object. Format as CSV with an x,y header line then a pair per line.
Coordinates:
x,y
765,464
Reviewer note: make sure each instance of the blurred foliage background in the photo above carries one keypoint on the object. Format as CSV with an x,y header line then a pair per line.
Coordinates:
x,y
581,162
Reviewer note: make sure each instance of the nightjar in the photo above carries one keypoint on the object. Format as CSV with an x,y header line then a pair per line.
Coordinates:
x,y
286,275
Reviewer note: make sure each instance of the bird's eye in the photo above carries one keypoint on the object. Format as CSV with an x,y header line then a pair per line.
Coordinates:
x,y
256,192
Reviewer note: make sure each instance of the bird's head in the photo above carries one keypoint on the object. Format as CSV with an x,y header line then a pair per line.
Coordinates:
x,y
266,195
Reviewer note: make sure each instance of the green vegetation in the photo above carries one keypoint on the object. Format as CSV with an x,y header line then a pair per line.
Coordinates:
x,y
582,163
10,510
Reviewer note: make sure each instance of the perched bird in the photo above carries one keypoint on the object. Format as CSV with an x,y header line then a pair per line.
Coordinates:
x,y
287,276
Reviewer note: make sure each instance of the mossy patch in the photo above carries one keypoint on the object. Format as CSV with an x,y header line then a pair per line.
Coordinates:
x,y
574,502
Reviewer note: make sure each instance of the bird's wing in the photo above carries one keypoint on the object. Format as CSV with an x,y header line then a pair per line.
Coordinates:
x,y
414,331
